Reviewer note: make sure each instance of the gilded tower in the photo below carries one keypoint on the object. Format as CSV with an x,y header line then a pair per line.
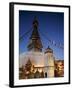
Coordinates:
x,y
35,43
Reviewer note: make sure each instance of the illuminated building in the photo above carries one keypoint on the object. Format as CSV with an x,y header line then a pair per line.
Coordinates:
x,y
38,63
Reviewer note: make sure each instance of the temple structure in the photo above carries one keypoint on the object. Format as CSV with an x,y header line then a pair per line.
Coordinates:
x,y
37,63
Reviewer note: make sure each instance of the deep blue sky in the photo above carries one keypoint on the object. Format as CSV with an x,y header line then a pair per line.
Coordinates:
x,y
51,24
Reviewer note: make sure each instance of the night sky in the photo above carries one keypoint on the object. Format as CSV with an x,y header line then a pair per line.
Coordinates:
x,y
51,25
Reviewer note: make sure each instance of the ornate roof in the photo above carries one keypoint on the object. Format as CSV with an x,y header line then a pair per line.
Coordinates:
x,y
48,50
